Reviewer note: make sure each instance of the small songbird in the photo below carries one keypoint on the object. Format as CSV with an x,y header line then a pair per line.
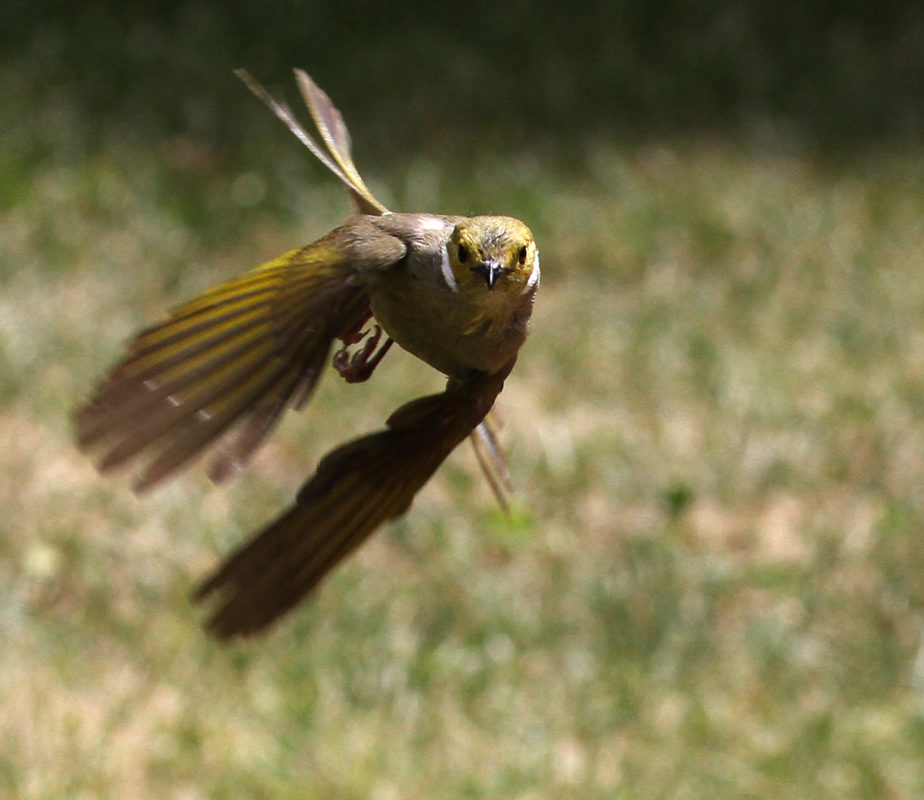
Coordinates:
x,y
218,372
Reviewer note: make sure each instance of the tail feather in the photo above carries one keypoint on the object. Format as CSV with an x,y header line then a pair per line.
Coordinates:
x,y
355,489
492,462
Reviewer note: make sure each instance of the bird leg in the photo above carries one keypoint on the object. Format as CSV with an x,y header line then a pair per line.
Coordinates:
x,y
358,366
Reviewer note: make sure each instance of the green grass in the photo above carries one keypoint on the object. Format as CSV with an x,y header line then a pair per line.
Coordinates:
x,y
714,586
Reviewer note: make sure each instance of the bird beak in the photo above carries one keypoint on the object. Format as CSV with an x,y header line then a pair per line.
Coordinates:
x,y
490,269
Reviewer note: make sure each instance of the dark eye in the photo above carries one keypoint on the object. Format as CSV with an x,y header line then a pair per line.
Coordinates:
x,y
521,256
463,253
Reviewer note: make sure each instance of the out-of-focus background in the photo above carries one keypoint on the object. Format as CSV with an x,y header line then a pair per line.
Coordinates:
x,y
714,583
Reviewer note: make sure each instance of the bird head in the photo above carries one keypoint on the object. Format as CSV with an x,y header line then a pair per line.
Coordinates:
x,y
493,254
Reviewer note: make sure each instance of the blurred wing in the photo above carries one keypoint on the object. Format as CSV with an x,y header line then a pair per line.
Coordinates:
x,y
356,488
335,135
227,364
333,132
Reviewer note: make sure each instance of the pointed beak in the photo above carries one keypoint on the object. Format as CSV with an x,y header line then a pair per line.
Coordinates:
x,y
491,269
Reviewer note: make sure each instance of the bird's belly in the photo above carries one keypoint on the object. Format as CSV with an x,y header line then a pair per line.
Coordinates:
x,y
443,331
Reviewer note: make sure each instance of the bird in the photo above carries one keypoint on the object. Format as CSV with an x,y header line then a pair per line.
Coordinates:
x,y
218,372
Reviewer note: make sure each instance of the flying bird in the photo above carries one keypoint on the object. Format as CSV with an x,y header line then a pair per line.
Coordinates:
x,y
219,371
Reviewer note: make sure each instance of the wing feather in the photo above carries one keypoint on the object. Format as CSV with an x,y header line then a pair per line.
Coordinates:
x,y
356,488
333,132
225,365
336,137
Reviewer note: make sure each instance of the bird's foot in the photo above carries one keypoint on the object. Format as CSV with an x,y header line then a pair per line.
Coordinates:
x,y
358,366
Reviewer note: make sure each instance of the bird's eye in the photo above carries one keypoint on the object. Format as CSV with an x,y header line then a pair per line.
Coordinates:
x,y
463,253
521,256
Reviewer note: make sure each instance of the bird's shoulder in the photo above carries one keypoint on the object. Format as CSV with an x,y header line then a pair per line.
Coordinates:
x,y
422,234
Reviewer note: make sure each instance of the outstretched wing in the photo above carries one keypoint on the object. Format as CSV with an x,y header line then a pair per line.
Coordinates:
x,y
228,363
333,133
355,489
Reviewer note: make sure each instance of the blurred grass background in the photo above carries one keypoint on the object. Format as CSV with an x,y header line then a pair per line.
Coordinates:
x,y
715,584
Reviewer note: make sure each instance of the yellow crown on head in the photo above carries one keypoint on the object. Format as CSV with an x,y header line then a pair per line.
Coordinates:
x,y
494,253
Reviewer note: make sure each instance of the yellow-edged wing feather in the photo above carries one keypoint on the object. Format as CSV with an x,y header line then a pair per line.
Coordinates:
x,y
355,489
227,364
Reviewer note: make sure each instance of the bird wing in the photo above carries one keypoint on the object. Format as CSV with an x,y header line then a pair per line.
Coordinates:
x,y
228,363
356,488
335,135
333,131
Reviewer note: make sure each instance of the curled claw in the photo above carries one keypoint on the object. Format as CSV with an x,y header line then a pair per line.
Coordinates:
x,y
359,366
